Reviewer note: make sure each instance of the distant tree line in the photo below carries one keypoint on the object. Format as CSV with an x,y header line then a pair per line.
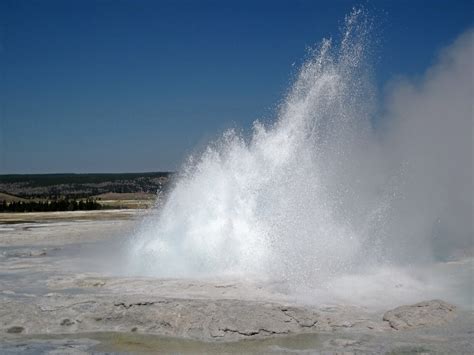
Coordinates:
x,y
50,206
80,179
78,191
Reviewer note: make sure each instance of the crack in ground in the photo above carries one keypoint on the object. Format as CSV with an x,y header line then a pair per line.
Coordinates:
x,y
130,305
303,325
251,332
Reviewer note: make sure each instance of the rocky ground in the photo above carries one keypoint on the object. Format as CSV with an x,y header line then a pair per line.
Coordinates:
x,y
58,294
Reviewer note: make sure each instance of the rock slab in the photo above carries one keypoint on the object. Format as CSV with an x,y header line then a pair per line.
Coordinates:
x,y
427,313
200,319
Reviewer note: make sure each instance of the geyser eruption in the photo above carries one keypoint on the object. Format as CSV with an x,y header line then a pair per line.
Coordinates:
x,y
320,194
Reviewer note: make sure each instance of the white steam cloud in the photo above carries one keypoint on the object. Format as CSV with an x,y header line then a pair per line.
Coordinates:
x,y
320,195
429,139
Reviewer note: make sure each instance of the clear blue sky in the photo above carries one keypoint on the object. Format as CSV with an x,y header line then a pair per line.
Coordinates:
x,y
113,86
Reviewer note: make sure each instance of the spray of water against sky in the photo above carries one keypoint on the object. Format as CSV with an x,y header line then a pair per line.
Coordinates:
x,y
320,197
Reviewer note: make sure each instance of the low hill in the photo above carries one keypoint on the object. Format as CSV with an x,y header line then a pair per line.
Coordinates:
x,y
126,196
10,198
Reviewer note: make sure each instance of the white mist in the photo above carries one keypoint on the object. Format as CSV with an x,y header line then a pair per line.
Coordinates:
x,y
319,200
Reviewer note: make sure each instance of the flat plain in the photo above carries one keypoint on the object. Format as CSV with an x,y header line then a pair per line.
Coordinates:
x,y
65,287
